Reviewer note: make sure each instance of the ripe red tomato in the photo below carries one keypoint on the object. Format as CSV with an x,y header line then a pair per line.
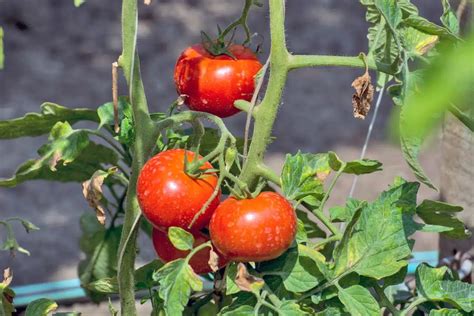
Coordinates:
x,y
256,229
170,197
199,262
212,83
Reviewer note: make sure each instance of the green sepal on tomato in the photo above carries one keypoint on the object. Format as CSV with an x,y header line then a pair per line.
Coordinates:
x,y
211,83
256,229
199,262
168,196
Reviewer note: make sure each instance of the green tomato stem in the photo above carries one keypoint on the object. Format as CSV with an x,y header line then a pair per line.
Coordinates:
x,y
384,301
266,112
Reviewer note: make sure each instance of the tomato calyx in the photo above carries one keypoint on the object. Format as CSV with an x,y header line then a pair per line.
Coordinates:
x,y
218,46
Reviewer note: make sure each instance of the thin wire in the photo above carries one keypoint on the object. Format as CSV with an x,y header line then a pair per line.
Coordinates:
x,y
369,134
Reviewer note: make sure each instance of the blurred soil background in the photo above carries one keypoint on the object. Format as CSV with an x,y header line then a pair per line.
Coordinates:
x,y
56,52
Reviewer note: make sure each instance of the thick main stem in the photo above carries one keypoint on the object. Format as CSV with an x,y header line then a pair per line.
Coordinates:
x,y
266,112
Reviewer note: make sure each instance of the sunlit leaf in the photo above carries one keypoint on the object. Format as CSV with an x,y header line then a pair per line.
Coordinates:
x,y
41,307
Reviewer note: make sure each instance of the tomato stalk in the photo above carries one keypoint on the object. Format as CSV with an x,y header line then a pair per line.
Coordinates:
x,y
242,20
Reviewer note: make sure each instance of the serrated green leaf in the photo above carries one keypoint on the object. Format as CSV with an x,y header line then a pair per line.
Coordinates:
x,y
36,124
436,284
442,215
446,312
180,238
449,18
345,213
303,175
391,11
378,246
100,247
41,307
359,301
82,168
428,27
358,167
299,268
242,305
106,112
177,281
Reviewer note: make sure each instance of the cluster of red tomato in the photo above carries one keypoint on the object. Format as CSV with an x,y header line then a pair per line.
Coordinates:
x,y
255,229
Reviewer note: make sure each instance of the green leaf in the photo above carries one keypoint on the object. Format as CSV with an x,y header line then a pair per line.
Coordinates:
x,y
291,308
106,112
391,12
10,243
333,311
378,246
359,301
143,280
428,27
41,307
36,124
443,215
2,56
299,268
91,159
100,246
411,149
345,213
309,227
303,175
449,18
436,284
445,312
242,305
357,167
231,286
78,3
180,238
177,281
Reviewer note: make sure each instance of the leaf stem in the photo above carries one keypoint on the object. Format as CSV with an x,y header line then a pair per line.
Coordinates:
x,y
385,301
242,20
415,303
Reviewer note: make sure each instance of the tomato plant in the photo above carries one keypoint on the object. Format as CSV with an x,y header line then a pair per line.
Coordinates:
x,y
213,83
269,253
257,229
168,196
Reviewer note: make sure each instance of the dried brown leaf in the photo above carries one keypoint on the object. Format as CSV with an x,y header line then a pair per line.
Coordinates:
x,y
363,96
247,282
7,277
92,191
213,260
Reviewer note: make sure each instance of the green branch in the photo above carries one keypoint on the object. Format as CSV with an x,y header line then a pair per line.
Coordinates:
x,y
242,20
305,61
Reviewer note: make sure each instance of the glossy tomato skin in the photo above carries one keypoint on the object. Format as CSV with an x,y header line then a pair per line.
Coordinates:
x,y
169,197
167,252
258,229
212,83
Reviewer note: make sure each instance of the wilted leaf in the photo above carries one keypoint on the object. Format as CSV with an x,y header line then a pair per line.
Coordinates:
x,y
359,301
41,307
213,260
247,282
7,277
92,191
436,284
363,96
180,238
36,124
177,281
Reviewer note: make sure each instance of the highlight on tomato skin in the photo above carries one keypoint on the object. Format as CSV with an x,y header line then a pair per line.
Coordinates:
x,y
257,229
199,262
213,83
169,197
